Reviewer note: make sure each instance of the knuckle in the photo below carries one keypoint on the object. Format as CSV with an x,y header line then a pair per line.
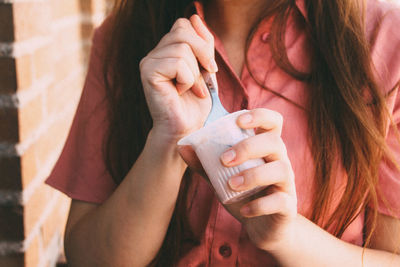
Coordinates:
x,y
286,170
261,111
250,177
263,115
257,175
211,37
182,23
280,146
183,48
279,119
244,148
144,67
179,33
276,139
180,62
142,63
286,202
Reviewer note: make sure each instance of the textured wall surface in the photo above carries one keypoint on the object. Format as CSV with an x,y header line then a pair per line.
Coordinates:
x,y
44,47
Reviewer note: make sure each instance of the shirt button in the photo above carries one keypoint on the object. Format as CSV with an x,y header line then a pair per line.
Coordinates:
x,y
265,37
225,251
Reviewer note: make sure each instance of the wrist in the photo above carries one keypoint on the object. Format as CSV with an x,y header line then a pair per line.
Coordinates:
x,y
289,240
163,135
163,146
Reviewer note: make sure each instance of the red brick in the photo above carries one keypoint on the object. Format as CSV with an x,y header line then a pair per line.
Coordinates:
x,y
38,153
8,82
55,223
30,117
53,138
11,223
10,169
67,37
29,167
67,64
34,208
31,19
8,125
60,97
33,253
50,227
37,19
43,61
24,72
64,8
12,260
6,23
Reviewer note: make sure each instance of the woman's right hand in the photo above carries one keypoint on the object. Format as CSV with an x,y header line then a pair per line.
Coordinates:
x,y
175,91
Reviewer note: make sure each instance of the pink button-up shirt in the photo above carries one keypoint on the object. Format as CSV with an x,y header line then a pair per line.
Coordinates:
x,y
81,173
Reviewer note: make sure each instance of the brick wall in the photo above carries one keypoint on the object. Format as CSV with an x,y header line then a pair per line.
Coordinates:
x,y
44,47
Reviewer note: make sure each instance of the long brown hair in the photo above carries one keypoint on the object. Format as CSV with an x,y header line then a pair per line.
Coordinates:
x,y
344,125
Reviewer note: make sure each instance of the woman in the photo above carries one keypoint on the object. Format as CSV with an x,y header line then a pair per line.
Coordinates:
x,y
320,80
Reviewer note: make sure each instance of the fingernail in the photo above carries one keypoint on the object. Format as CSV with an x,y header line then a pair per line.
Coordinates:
x,y
245,119
236,181
228,156
245,211
213,66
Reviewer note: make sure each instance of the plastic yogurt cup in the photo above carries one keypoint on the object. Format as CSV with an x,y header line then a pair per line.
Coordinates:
x,y
210,142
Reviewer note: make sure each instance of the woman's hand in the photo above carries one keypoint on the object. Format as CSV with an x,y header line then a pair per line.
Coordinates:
x,y
270,215
170,70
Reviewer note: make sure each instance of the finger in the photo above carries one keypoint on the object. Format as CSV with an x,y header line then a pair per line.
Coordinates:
x,y
169,69
276,203
267,120
183,50
201,29
200,88
203,32
182,32
178,50
181,23
278,173
266,145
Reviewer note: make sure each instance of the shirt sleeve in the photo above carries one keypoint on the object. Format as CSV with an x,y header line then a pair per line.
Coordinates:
x,y
389,173
80,171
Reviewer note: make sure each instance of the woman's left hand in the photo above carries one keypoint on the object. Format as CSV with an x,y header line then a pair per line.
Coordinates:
x,y
269,216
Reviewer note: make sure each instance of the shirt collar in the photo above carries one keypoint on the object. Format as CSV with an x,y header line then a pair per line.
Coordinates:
x,y
300,4
302,8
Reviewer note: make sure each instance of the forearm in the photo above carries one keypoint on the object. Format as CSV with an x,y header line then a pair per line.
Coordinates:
x,y
128,229
312,246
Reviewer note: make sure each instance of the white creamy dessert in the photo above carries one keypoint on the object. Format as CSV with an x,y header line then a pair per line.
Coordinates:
x,y
209,143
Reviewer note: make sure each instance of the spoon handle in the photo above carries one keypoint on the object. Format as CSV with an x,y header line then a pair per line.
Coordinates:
x,y
217,109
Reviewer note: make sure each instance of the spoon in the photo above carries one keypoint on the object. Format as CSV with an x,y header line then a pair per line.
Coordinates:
x,y
217,109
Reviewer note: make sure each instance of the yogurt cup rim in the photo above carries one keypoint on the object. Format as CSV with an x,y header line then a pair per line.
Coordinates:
x,y
207,127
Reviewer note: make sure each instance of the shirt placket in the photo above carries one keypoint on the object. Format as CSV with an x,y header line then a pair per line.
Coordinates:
x,y
224,244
